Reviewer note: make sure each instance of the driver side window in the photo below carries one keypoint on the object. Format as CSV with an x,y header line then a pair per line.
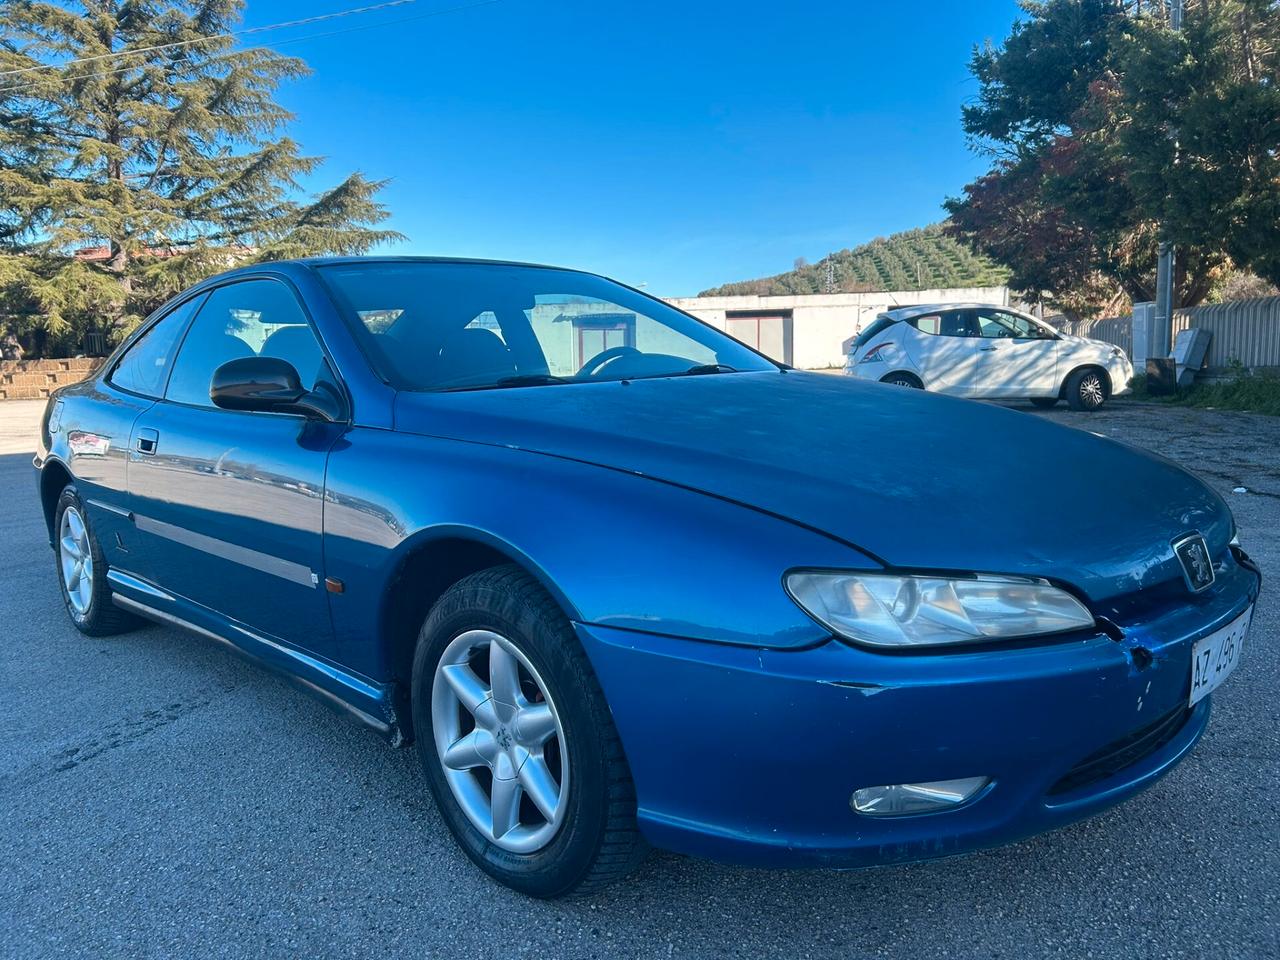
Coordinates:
x,y
246,319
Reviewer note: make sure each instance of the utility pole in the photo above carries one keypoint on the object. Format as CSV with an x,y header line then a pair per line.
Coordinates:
x,y
1162,342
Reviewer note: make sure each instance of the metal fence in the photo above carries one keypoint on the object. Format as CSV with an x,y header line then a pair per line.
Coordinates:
x,y
1243,331
1117,330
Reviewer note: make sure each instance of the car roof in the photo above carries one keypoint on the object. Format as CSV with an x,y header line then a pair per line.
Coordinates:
x,y
352,261
924,309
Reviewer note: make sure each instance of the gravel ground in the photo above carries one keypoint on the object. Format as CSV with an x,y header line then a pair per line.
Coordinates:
x,y
162,798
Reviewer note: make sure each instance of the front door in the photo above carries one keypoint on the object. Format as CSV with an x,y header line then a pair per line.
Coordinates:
x,y
228,506
1018,358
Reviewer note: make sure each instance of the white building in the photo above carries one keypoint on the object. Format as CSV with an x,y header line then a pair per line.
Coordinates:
x,y
809,331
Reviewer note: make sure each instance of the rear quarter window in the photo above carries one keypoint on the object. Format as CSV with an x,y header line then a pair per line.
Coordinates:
x,y
145,366
878,326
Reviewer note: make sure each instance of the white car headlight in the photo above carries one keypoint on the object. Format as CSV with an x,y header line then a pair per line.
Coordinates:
x,y
885,610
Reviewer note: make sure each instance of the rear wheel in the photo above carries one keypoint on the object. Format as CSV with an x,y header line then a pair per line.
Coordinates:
x,y
82,571
1087,389
903,380
1044,403
517,740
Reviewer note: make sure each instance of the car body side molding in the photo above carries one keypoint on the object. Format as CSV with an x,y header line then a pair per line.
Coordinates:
x,y
369,703
256,559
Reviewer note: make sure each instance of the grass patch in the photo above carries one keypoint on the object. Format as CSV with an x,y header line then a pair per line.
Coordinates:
x,y
1255,393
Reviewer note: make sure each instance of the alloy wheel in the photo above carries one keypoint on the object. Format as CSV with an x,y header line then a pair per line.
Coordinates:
x,y
500,741
1092,392
76,559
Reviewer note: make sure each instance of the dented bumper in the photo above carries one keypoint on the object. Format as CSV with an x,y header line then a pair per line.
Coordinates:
x,y
751,756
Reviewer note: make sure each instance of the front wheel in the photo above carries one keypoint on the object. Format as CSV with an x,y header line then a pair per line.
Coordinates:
x,y
1087,389
517,741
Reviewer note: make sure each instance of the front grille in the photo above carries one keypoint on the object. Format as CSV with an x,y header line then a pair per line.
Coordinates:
x,y
1122,753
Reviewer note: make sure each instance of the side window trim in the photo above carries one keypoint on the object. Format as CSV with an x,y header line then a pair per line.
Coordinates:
x,y
142,334
300,303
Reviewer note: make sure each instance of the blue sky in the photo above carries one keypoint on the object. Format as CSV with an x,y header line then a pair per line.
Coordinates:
x,y
677,145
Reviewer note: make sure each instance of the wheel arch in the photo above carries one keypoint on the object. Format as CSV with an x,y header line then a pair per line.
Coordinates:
x,y
426,565
54,478
1091,365
910,375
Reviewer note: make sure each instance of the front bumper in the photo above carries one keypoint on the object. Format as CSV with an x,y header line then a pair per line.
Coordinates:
x,y
750,756
1120,371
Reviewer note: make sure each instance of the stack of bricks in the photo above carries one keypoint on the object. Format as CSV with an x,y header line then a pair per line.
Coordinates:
x,y
36,379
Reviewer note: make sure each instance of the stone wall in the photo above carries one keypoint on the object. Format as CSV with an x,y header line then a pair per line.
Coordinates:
x,y
36,379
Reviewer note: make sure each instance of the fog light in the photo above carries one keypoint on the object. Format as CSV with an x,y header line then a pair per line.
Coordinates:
x,y
901,799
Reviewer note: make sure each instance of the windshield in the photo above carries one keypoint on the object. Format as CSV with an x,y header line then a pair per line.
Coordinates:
x,y
471,326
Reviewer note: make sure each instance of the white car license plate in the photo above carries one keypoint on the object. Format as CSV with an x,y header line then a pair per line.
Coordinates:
x,y
1215,656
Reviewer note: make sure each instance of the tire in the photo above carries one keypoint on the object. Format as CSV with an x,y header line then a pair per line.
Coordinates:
x,y
1044,403
591,839
1087,389
75,547
902,380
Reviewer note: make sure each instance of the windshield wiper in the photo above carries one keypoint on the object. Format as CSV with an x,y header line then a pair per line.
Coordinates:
x,y
531,380
706,368
523,380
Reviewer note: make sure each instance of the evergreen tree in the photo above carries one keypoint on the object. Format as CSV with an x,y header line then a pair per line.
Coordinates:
x,y
172,159
1200,118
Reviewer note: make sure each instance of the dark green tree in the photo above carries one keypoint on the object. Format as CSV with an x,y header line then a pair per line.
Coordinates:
x,y
1199,114
1109,132
163,147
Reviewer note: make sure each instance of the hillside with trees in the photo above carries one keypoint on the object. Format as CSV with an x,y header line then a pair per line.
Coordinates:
x,y
921,259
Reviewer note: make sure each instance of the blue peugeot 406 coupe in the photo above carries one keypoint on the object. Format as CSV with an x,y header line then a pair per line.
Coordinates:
x,y
627,582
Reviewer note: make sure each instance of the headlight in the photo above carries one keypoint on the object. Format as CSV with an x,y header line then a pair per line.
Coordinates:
x,y
884,610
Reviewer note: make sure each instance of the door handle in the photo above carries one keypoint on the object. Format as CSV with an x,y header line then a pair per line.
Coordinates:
x,y
147,441
988,348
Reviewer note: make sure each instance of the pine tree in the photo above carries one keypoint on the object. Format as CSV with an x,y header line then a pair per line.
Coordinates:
x,y
173,160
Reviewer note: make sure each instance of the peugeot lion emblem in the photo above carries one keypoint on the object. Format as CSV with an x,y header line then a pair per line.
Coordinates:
x,y
1197,569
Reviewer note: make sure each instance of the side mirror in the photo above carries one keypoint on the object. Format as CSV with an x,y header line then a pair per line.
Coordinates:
x,y
266,384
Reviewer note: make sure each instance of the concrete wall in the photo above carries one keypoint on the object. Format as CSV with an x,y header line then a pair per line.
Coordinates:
x,y
36,379
822,322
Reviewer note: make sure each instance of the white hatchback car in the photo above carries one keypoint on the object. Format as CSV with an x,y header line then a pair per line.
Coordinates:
x,y
985,351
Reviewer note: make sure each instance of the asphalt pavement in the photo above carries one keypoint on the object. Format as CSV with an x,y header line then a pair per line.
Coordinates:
x,y
162,798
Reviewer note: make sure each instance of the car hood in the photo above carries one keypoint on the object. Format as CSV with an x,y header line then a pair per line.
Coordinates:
x,y
914,479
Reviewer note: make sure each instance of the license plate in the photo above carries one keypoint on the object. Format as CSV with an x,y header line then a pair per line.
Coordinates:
x,y
1215,656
